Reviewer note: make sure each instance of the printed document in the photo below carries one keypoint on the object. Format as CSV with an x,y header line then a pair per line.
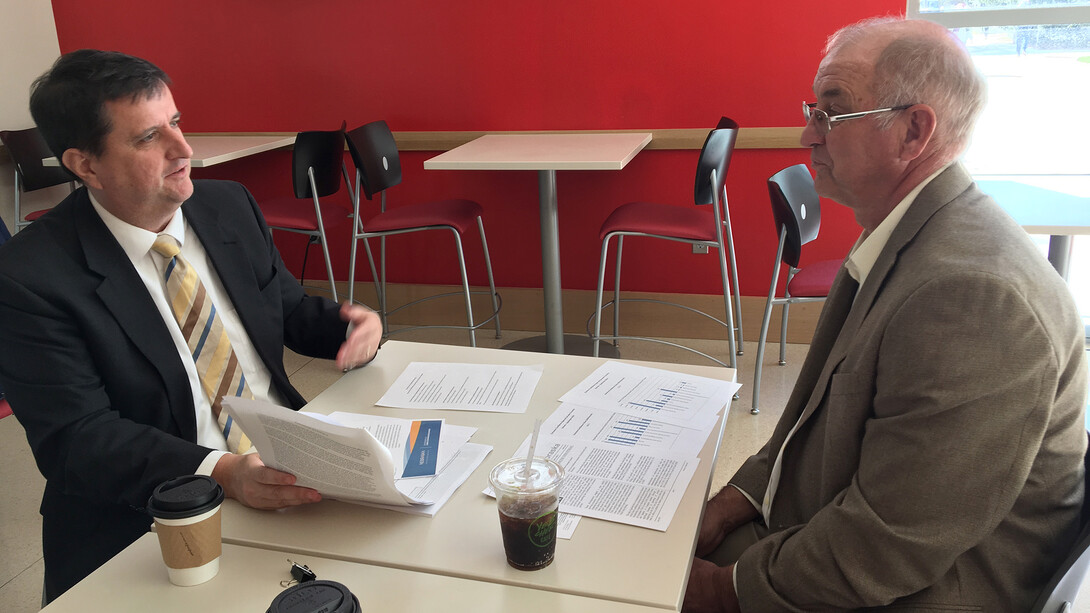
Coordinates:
x,y
584,423
467,387
339,461
625,485
397,434
663,395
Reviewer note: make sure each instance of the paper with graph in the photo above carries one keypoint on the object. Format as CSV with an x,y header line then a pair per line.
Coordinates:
x,y
654,393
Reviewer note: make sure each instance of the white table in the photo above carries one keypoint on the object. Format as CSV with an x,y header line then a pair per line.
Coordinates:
x,y
1054,205
249,579
212,149
546,153
603,560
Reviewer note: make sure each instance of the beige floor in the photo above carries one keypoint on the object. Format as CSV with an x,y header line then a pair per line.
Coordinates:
x,y
20,525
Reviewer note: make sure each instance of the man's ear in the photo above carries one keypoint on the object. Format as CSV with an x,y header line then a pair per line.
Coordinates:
x,y
920,129
82,165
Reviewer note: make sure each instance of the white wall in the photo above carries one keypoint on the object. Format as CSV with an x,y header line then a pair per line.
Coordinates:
x,y
30,48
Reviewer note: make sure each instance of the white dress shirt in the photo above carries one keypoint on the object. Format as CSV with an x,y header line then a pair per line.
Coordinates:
x,y
151,267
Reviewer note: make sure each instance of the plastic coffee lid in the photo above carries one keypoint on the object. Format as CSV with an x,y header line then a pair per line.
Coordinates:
x,y
185,496
509,475
318,596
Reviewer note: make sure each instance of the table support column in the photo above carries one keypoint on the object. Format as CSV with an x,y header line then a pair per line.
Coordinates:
x,y
550,261
1059,253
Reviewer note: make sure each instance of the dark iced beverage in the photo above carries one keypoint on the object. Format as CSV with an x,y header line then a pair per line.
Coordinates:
x,y
528,501
529,530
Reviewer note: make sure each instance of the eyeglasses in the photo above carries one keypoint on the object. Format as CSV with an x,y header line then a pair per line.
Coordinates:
x,y
825,122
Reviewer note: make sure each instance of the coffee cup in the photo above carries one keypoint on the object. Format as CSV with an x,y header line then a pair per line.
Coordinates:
x,y
187,519
528,502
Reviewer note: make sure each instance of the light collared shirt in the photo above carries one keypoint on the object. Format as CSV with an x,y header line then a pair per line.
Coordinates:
x,y
137,242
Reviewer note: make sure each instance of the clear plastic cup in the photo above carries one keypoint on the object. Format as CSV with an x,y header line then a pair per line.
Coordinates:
x,y
528,504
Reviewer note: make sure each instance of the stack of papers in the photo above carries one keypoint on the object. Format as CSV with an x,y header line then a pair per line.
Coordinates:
x,y
628,437
405,465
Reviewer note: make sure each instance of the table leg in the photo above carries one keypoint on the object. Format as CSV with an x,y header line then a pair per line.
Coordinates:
x,y
550,261
1059,253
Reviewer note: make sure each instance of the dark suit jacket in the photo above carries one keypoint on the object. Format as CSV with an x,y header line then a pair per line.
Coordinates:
x,y
92,374
938,460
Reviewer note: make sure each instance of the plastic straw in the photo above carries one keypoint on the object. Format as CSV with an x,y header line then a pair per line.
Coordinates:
x,y
533,448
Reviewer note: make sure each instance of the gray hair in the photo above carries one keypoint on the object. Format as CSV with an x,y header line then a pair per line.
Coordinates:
x,y
922,64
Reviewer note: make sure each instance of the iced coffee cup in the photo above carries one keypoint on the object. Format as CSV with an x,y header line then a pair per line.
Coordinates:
x,y
187,519
528,501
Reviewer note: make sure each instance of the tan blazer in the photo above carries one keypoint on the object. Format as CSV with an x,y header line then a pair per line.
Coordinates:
x,y
938,463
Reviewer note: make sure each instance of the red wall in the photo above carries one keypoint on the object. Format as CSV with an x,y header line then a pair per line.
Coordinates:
x,y
276,66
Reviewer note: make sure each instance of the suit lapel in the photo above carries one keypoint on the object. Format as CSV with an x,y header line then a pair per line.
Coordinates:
x,y
123,294
834,343
231,262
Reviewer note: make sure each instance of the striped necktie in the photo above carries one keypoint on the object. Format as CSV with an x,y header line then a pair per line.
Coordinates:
x,y
217,365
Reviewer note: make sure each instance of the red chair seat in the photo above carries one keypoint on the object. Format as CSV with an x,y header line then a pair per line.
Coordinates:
x,y
35,215
297,214
460,214
662,220
814,280
5,408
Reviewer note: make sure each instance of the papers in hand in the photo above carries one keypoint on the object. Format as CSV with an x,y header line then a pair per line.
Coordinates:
x,y
340,462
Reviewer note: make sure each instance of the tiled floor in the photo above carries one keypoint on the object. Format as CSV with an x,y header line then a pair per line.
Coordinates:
x,y
20,525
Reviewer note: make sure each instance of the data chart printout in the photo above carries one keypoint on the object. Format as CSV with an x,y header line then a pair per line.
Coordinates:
x,y
584,423
663,395
467,387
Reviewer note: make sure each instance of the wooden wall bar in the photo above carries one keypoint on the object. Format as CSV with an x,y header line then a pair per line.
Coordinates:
x,y
667,139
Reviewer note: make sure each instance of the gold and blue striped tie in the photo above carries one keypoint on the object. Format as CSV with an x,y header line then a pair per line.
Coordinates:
x,y
217,365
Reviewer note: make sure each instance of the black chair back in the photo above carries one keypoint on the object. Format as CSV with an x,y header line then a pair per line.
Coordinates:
x,y
795,204
1061,589
27,148
715,155
374,152
322,151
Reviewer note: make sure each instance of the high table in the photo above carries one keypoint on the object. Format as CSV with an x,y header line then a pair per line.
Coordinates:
x,y
546,153
603,560
1058,206
212,149
249,579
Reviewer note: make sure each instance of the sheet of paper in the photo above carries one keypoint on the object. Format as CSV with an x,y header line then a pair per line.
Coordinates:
x,y
587,424
440,487
340,462
416,442
393,432
624,485
663,395
467,387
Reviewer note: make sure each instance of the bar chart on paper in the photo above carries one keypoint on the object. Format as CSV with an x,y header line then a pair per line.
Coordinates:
x,y
589,424
628,431
652,393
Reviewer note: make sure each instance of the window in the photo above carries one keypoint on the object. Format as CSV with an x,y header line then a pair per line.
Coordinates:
x,y
1035,57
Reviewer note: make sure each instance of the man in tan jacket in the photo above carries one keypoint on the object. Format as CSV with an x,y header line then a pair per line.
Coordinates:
x,y
930,456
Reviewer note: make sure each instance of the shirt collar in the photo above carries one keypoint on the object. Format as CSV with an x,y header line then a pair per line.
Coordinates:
x,y
868,247
136,241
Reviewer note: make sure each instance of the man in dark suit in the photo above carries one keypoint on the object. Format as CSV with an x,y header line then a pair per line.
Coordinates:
x,y
94,364
930,457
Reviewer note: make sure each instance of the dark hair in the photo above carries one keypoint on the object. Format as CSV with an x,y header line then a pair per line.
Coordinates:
x,y
68,101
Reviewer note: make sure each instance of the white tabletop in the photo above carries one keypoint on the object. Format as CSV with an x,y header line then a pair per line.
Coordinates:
x,y
582,151
249,579
212,149
603,559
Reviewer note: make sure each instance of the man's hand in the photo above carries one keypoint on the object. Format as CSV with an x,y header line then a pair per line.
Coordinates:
x,y
246,479
362,343
723,513
710,589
